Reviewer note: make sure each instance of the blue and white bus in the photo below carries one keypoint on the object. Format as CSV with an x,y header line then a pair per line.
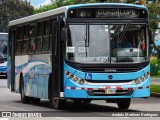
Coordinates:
x,y
81,52
3,54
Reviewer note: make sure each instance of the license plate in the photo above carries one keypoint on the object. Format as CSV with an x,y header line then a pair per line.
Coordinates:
x,y
110,91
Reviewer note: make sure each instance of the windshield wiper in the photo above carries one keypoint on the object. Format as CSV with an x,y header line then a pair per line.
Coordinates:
x,y
125,60
86,37
124,31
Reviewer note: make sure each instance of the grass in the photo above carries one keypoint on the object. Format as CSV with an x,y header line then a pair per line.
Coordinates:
x,y
155,88
158,75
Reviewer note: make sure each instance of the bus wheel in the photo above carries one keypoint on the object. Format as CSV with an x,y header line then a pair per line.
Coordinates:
x,y
35,100
123,103
58,103
24,98
87,101
77,101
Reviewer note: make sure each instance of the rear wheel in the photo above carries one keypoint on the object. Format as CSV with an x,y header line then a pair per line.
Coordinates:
x,y
35,100
24,98
123,103
58,103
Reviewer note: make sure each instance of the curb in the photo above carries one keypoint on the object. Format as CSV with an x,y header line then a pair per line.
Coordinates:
x,y
153,94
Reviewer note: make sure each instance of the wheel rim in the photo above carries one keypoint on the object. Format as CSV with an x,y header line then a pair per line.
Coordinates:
x,y
55,103
22,94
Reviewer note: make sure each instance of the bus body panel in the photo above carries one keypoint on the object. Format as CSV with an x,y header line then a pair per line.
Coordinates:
x,y
35,75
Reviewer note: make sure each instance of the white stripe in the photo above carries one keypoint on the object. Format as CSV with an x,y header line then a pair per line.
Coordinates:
x,y
113,86
68,87
30,65
4,119
62,118
15,108
78,88
61,94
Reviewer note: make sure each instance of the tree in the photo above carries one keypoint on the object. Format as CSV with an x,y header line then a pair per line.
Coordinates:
x,y
11,10
154,10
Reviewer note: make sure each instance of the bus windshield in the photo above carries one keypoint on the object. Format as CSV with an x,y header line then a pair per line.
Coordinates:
x,y
102,43
3,45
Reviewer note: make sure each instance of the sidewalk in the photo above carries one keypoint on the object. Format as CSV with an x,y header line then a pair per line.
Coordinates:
x,y
157,82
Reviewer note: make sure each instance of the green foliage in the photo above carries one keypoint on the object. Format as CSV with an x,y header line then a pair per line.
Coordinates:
x,y
154,65
154,9
11,10
155,88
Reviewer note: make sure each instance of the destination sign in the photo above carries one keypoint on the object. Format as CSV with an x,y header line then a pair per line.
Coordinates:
x,y
107,13
129,13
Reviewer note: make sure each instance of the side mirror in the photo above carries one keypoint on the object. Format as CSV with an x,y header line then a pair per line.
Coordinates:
x,y
151,36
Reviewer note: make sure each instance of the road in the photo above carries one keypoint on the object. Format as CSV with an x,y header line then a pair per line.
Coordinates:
x,y
11,102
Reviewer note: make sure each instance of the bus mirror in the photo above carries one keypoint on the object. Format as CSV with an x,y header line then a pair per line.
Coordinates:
x,y
63,34
151,37
151,46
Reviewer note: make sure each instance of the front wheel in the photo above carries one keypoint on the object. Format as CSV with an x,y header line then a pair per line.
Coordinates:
x,y
123,103
58,103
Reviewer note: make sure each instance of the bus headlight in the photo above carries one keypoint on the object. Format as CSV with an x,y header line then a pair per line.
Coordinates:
x,y
81,81
142,78
75,78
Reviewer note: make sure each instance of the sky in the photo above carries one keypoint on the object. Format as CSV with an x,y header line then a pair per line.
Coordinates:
x,y
37,3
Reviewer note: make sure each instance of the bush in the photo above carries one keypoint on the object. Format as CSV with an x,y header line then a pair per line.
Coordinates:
x,y
154,65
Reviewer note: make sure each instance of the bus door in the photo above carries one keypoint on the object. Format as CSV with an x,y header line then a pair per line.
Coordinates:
x,y
12,59
55,88
57,59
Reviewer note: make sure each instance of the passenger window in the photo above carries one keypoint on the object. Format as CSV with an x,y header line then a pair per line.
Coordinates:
x,y
39,37
32,34
25,40
46,35
39,44
19,40
46,27
25,47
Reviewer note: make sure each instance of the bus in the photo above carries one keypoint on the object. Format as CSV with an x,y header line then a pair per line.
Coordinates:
x,y
3,54
82,52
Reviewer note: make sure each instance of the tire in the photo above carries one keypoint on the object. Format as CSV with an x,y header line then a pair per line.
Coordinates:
x,y
123,103
87,101
35,100
58,103
77,101
24,99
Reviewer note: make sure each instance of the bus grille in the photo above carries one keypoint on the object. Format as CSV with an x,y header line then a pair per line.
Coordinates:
x,y
110,70
118,93
109,81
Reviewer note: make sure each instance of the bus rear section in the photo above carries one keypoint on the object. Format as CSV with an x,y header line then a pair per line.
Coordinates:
x,y
3,54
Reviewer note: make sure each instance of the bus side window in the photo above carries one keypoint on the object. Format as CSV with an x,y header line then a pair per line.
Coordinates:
x,y
46,35
19,40
32,34
39,37
25,40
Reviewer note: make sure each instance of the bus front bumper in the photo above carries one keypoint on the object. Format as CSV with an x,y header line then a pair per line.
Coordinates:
x,y
100,92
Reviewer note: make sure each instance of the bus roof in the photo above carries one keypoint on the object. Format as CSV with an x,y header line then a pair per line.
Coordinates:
x,y
64,10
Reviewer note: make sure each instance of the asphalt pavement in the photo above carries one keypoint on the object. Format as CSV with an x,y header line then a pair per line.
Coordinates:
x,y
99,109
